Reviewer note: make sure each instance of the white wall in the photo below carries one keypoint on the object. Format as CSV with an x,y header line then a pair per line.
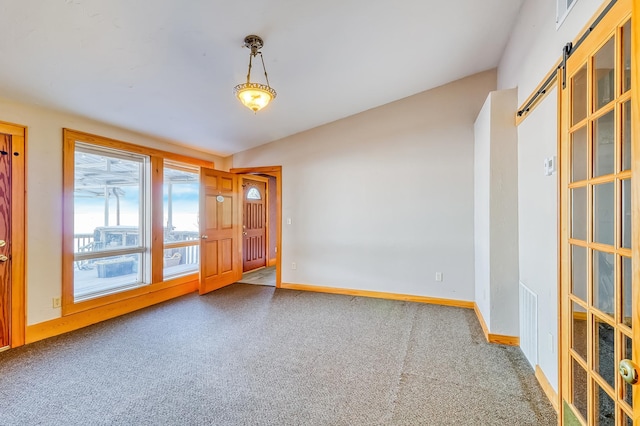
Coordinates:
x,y
44,194
534,47
383,200
538,230
504,214
482,210
496,213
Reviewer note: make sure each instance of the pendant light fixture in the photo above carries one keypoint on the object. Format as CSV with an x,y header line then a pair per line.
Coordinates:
x,y
254,96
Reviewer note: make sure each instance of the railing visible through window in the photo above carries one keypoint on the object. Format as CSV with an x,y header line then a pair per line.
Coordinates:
x,y
110,221
180,218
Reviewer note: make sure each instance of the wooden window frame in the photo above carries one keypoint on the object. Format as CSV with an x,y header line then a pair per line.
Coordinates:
x,y
156,246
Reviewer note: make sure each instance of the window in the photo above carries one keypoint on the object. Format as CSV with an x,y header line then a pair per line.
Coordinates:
x,y
563,9
110,220
181,225
253,194
119,201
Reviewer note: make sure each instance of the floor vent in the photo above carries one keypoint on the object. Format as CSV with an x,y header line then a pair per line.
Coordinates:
x,y
529,324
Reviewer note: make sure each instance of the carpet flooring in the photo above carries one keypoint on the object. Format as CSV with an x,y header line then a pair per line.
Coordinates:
x,y
256,355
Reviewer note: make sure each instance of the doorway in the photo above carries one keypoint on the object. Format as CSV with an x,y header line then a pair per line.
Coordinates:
x,y
599,287
273,176
255,222
12,235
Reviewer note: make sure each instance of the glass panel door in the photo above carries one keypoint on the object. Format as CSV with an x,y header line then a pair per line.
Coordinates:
x,y
596,246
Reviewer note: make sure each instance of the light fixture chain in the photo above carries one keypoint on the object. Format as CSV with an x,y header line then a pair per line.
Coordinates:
x,y
264,69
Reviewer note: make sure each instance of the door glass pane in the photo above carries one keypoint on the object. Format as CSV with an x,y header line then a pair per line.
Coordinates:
x,y
603,348
626,135
627,354
579,332
603,282
605,74
606,414
626,56
579,213
603,208
626,213
579,148
579,95
579,272
579,393
626,291
603,152
626,420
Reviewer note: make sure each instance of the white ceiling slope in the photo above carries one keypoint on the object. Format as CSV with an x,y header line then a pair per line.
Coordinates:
x,y
167,67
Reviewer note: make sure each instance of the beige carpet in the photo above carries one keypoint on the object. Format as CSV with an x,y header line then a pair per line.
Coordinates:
x,y
254,355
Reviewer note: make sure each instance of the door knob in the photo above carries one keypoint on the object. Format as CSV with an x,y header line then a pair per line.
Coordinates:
x,y
244,233
3,258
3,243
629,371
204,237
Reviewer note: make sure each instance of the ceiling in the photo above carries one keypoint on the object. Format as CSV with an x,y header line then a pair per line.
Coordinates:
x,y
167,68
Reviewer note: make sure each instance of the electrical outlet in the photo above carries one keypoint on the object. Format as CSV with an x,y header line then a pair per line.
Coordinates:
x,y
293,265
56,302
438,276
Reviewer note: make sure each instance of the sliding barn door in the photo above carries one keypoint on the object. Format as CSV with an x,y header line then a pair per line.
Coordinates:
x,y
599,248
220,230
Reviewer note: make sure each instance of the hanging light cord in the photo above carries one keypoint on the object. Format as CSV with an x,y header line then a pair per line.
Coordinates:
x,y
251,55
264,69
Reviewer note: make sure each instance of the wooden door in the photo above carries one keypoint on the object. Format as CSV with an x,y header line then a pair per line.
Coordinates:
x,y
599,288
5,240
220,230
254,228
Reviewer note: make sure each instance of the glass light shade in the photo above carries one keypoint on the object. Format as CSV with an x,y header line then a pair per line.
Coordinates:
x,y
254,96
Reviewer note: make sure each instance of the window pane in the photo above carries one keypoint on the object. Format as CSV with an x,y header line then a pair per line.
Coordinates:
x,y
626,135
626,213
603,282
579,213
606,414
603,347
579,148
627,295
105,275
626,56
579,385
603,152
108,219
107,201
181,222
579,331
180,204
579,95
603,208
181,260
605,74
579,272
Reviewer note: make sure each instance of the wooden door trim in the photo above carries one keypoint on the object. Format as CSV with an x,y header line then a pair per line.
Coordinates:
x,y
275,171
18,230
